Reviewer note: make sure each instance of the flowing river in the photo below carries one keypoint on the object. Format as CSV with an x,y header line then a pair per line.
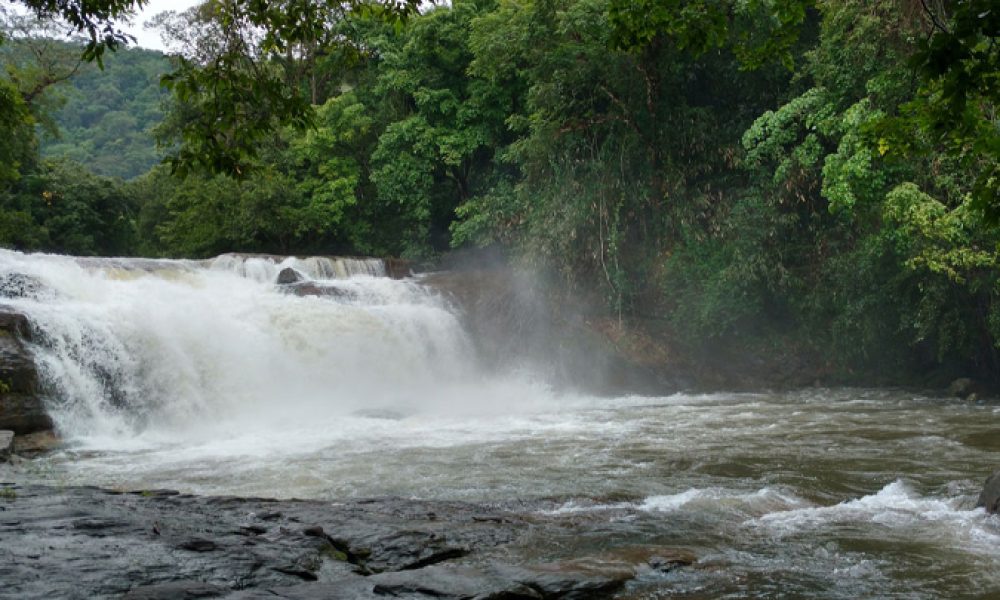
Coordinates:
x,y
206,377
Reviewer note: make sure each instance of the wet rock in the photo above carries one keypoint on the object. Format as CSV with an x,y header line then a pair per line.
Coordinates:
x,y
87,542
21,408
312,288
6,445
398,268
40,442
288,276
629,559
670,560
198,545
989,498
411,550
455,582
177,590
561,581
451,581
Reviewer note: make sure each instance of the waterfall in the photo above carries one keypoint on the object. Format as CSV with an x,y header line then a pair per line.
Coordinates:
x,y
266,268
130,346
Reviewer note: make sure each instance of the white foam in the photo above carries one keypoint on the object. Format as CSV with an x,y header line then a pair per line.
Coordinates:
x,y
897,506
756,502
266,268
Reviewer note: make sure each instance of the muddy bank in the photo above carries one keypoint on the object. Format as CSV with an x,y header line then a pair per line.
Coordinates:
x,y
86,542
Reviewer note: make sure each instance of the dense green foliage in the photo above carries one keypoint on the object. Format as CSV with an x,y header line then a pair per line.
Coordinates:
x,y
815,176
107,116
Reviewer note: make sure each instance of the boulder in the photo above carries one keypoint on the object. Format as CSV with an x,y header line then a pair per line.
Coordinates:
x,y
6,445
21,406
989,498
288,276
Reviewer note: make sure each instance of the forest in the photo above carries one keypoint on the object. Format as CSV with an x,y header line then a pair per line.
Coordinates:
x,y
767,175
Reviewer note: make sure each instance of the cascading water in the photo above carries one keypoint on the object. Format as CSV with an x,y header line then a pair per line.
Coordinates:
x,y
205,376
128,347
265,269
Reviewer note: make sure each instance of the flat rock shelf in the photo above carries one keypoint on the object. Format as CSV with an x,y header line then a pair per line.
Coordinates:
x,y
86,542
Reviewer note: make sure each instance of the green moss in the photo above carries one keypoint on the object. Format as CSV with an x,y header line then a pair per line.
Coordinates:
x,y
335,554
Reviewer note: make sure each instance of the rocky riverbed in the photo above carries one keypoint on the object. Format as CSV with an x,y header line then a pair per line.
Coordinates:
x,y
83,542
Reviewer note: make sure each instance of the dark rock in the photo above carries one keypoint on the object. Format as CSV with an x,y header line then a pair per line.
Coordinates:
x,y
88,542
19,285
21,408
451,581
23,413
198,545
253,530
559,581
457,582
312,288
289,275
398,268
411,550
989,498
969,389
665,562
6,445
97,524
176,590
14,323
33,444
316,531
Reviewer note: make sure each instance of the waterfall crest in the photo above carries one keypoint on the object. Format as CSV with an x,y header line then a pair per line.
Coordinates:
x,y
135,345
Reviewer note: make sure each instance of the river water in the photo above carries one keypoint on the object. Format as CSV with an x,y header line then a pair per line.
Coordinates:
x,y
205,377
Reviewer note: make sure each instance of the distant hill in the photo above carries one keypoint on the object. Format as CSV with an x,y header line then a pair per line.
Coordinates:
x,y
106,121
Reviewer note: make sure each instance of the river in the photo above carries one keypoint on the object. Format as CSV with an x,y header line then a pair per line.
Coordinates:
x,y
206,377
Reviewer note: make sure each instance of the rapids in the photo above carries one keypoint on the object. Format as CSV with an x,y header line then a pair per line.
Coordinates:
x,y
207,378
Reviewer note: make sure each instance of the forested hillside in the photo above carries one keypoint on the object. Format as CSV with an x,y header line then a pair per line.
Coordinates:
x,y
797,178
108,116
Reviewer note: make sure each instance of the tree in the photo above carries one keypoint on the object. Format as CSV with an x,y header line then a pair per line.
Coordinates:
x,y
236,87
238,96
957,108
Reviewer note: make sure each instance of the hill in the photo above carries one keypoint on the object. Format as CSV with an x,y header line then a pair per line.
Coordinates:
x,y
106,120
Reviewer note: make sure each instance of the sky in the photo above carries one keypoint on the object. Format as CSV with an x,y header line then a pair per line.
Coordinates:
x,y
150,38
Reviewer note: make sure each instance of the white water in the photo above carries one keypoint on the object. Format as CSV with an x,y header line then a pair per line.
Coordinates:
x,y
205,377
138,352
